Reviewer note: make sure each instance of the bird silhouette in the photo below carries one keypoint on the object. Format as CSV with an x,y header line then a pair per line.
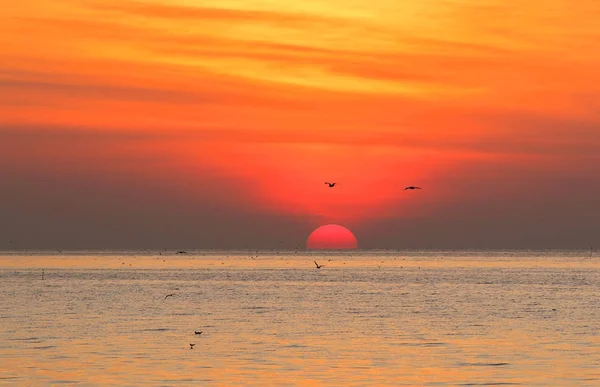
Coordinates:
x,y
412,187
317,265
169,295
331,185
197,333
192,346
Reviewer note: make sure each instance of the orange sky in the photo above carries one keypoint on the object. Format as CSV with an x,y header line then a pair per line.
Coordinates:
x,y
251,106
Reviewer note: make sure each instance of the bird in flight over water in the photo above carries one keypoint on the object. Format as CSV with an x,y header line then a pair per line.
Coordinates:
x,y
169,295
317,265
192,346
412,187
197,333
331,185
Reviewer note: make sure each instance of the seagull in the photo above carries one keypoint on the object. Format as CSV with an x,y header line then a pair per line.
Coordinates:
x,y
181,252
317,265
197,333
331,185
192,346
169,295
412,187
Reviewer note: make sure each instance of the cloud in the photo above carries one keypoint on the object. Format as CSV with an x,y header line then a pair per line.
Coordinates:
x,y
198,13
512,135
86,89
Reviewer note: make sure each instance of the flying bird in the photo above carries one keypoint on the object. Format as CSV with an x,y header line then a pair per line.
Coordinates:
x,y
169,295
317,265
197,333
412,187
192,346
331,185
181,252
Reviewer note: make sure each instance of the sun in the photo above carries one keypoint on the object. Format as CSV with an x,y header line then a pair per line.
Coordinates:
x,y
333,237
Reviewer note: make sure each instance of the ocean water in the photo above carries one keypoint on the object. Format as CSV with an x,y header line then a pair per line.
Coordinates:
x,y
380,318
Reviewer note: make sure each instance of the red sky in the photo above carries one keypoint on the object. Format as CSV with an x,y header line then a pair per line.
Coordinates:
x,y
215,123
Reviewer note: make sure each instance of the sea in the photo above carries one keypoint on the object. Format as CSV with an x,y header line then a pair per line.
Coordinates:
x,y
272,318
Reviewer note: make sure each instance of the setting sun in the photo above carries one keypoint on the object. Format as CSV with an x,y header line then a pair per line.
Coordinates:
x,y
332,237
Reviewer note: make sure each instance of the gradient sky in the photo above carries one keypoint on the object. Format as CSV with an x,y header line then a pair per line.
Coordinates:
x,y
215,123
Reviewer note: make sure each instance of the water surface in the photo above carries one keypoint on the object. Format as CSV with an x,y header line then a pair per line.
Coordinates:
x,y
396,318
